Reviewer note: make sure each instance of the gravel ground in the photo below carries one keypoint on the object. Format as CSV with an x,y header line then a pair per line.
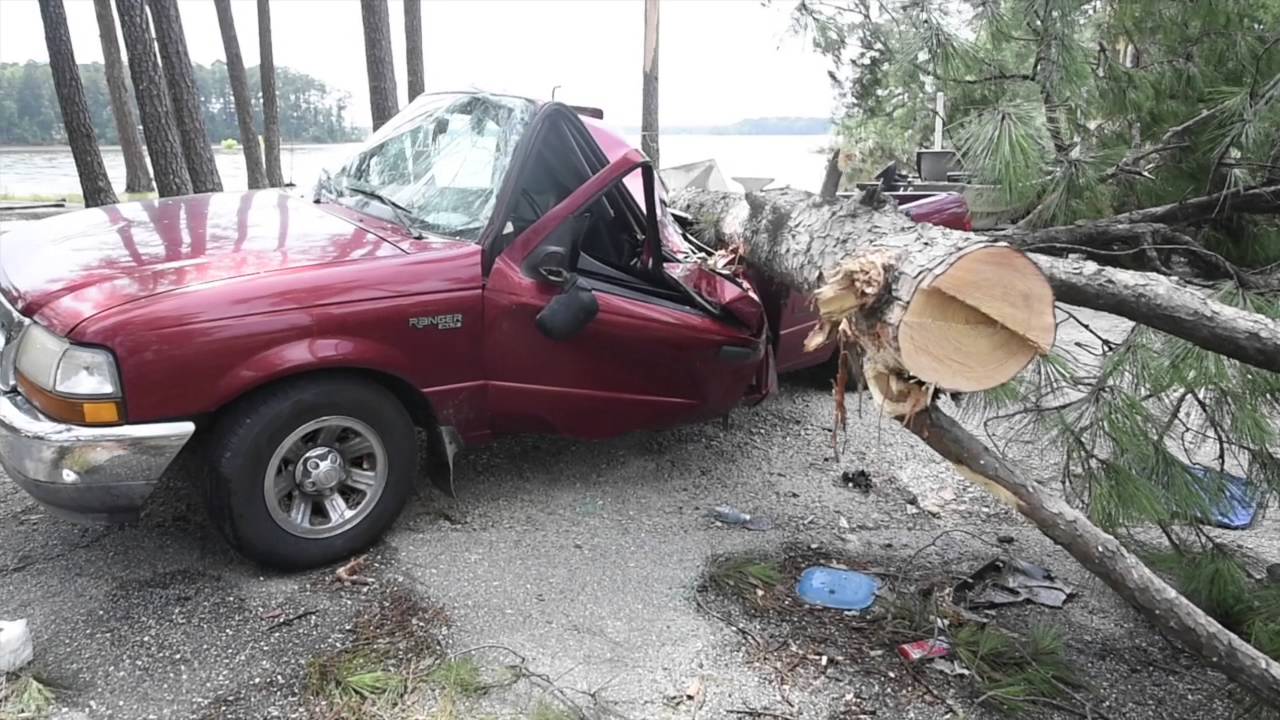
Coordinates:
x,y
580,556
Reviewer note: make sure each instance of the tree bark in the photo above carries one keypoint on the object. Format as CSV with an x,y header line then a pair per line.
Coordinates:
x,y
270,104
1167,305
413,47
812,245
240,91
378,63
163,145
649,88
917,298
137,175
1103,555
196,148
94,181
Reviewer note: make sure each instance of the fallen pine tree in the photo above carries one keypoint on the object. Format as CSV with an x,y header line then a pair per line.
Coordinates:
x,y
924,309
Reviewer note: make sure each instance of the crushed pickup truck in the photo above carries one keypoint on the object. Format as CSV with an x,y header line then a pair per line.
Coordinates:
x,y
483,265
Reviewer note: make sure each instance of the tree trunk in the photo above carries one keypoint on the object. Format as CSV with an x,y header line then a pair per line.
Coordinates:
x,y
163,145
240,91
413,47
270,104
196,148
1103,555
1167,305
94,182
831,178
871,272
378,62
137,176
934,314
649,89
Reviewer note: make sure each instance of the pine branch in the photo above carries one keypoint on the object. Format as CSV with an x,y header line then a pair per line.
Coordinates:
x,y
1172,139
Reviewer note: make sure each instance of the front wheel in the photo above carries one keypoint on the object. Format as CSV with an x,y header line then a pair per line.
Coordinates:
x,y
311,471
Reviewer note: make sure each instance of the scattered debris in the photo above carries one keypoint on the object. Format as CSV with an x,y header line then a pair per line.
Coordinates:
x,y
1009,581
15,645
282,622
949,667
693,696
924,649
351,573
838,589
730,515
1232,505
272,614
856,480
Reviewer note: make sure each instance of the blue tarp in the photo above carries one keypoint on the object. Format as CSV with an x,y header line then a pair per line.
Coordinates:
x,y
1235,507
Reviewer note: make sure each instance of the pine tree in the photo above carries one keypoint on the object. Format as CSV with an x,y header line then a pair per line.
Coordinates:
x,y
270,105
163,145
137,174
413,47
377,58
240,91
94,181
196,148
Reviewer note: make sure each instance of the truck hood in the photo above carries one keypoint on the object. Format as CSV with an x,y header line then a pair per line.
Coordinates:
x,y
67,268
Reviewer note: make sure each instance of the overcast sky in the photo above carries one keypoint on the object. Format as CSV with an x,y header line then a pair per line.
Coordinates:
x,y
721,60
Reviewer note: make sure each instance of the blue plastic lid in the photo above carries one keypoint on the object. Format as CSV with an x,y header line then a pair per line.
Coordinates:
x,y
839,589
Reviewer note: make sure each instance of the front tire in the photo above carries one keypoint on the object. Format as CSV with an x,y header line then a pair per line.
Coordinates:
x,y
311,471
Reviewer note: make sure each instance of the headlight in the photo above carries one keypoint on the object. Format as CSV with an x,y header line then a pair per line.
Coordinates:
x,y
66,381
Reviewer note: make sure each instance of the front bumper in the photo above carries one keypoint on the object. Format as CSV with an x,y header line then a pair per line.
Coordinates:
x,y
95,474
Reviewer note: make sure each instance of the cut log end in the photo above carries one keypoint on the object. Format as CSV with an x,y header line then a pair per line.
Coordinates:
x,y
977,322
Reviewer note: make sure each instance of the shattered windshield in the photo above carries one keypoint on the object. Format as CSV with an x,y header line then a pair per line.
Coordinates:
x,y
438,165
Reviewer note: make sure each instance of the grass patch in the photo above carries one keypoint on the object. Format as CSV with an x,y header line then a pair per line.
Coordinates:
x,y
1013,672
460,676
377,675
746,576
353,675
71,198
24,698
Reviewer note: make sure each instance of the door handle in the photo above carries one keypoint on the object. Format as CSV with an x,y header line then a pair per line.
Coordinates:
x,y
739,355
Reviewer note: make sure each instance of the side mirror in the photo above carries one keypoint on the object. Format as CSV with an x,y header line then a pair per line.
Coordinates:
x,y
556,259
570,311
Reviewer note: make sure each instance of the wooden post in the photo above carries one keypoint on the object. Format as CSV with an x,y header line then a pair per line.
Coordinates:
x,y
649,102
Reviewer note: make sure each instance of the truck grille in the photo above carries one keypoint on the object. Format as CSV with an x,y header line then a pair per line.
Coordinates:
x,y
11,326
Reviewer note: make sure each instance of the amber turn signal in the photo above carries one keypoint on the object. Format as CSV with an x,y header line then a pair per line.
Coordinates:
x,y
78,412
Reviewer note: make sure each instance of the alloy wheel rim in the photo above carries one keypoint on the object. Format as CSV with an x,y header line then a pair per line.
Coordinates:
x,y
325,477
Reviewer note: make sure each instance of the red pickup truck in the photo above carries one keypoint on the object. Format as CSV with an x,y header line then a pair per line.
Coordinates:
x,y
484,265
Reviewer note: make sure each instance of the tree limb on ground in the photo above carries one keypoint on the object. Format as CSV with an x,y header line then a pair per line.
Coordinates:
x,y
928,308
1169,306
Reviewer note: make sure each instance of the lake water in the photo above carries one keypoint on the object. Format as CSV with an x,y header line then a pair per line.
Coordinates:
x,y
795,160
